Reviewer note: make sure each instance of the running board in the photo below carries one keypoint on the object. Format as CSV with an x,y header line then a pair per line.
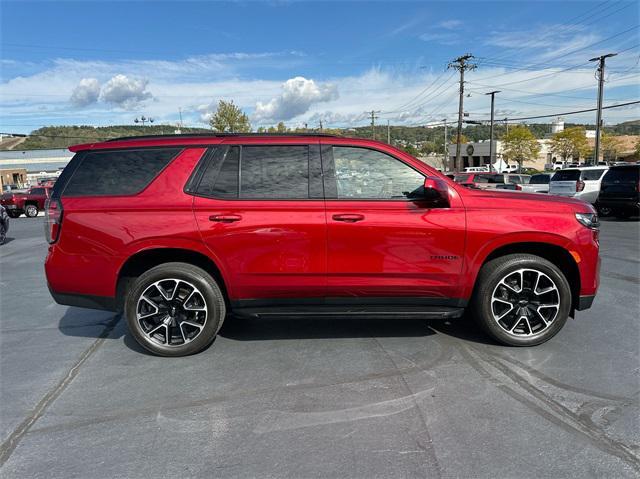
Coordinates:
x,y
426,312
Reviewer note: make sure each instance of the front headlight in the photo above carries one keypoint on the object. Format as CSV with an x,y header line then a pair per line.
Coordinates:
x,y
590,220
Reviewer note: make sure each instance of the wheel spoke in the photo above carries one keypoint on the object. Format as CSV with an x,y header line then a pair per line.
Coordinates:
x,y
186,302
511,307
150,303
191,323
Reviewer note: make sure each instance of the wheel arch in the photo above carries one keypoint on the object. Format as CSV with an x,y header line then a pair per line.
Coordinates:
x,y
146,259
553,253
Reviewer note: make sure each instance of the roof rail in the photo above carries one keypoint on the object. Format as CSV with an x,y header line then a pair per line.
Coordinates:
x,y
215,135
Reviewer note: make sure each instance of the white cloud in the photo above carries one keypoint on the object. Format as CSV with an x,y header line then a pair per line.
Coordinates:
x,y
296,98
125,92
450,24
86,93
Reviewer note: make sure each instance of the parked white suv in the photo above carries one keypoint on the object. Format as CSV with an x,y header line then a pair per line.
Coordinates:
x,y
582,183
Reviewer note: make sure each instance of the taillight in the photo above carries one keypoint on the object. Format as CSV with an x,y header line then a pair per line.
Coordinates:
x,y
518,188
53,219
579,185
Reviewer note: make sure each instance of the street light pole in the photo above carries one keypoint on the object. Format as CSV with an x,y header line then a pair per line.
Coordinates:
x,y
491,151
600,71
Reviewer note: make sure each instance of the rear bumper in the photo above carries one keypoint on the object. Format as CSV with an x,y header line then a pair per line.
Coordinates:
x,y
84,301
585,302
620,203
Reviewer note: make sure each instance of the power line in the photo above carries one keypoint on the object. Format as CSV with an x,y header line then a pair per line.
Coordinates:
x,y
574,112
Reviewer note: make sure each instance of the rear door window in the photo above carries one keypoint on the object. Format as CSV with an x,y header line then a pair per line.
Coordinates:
x,y
592,175
566,175
275,172
122,172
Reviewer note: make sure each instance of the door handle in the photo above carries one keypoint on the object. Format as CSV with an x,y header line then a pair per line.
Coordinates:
x,y
225,218
348,218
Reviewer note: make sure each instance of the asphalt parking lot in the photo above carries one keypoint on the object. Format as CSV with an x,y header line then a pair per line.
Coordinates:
x,y
317,397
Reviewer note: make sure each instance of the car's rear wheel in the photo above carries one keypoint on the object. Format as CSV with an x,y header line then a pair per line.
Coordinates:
x,y
31,211
13,214
175,309
521,299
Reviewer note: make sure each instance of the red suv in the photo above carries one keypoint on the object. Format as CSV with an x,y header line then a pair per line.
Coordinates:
x,y
178,231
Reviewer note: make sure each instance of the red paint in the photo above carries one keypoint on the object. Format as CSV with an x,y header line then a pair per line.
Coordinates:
x,y
310,248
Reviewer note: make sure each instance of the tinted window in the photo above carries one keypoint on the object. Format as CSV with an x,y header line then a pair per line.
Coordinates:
x,y
461,178
514,180
220,179
496,179
37,191
539,180
364,173
481,179
592,174
625,174
275,172
566,175
124,172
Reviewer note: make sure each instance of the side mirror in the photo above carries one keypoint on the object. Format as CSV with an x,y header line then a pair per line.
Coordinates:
x,y
437,191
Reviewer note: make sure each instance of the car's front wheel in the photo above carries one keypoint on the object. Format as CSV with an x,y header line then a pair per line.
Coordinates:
x,y
175,309
521,299
13,214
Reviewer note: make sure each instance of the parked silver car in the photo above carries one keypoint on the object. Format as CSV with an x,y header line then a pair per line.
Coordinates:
x,y
581,183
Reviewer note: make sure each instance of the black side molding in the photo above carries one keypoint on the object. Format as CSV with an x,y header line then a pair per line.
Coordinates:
x,y
585,302
105,303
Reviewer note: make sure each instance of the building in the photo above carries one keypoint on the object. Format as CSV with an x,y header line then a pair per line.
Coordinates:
x,y
37,164
13,177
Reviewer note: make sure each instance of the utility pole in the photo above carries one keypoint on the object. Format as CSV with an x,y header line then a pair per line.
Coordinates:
x,y
491,152
600,72
373,122
445,161
461,64
320,126
388,133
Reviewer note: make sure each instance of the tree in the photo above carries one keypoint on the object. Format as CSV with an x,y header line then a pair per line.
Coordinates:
x,y
636,150
463,139
570,142
520,145
281,128
229,118
610,147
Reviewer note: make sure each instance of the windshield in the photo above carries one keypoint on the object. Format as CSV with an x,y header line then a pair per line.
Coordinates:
x,y
539,179
566,175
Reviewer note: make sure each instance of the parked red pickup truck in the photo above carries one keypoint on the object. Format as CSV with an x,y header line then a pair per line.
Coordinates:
x,y
29,202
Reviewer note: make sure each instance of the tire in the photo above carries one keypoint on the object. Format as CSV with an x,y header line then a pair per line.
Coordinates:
x,y
605,211
533,318
31,211
13,214
189,309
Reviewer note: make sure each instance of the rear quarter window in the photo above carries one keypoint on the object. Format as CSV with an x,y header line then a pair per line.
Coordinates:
x,y
591,175
625,174
566,175
121,172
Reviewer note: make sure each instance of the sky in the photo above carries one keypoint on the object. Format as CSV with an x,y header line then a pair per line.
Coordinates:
x,y
103,63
